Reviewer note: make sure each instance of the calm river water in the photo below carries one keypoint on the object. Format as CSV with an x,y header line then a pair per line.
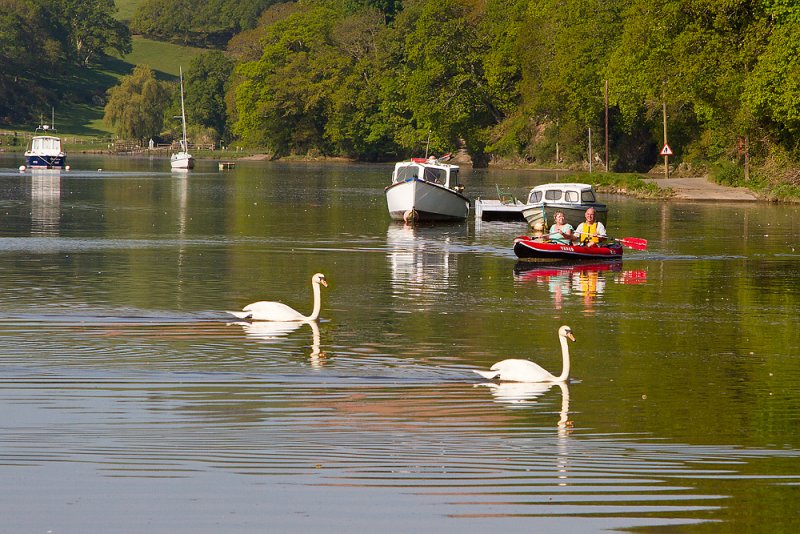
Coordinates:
x,y
130,403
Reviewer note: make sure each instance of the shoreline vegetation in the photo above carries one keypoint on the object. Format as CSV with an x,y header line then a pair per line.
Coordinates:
x,y
631,184
637,185
539,83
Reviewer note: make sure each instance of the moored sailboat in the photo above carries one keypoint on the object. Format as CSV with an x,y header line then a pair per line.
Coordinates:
x,y
182,160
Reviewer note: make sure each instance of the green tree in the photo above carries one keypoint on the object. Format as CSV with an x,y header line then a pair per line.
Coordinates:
x,y
281,99
135,108
772,89
92,29
448,86
207,81
360,121
564,51
29,49
201,22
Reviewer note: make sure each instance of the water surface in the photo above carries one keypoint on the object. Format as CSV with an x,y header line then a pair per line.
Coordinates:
x,y
132,402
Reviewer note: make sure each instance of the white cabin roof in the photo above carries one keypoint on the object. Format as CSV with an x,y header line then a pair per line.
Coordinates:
x,y
567,186
430,163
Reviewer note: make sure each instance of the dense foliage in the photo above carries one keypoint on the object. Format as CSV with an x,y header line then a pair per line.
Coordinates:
x,y
510,79
199,22
42,39
136,106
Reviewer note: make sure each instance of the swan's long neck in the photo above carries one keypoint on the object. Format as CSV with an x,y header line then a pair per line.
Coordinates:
x,y
565,355
317,303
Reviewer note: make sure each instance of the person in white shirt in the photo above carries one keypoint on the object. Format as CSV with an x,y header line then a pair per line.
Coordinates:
x,y
590,233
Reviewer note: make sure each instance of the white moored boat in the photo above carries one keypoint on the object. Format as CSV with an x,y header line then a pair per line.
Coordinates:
x,y
182,159
45,151
426,190
571,198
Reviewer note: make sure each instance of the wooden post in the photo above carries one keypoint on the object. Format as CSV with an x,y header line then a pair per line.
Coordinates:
x,y
558,131
747,158
606,104
590,150
666,158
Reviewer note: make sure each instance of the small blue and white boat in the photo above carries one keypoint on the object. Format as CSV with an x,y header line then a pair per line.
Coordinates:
x,y
45,151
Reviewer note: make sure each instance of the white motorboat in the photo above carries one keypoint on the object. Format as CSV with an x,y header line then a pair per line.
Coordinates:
x,y
426,189
182,160
571,198
45,150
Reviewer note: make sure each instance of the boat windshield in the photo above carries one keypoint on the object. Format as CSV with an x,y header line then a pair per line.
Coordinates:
x,y
587,196
552,194
535,196
46,143
434,175
406,173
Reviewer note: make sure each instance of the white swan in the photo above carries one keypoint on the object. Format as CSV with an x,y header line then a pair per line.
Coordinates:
x,y
277,311
527,371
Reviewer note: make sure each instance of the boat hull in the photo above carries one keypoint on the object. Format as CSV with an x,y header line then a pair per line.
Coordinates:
x,y
425,201
45,151
182,160
544,212
35,161
528,248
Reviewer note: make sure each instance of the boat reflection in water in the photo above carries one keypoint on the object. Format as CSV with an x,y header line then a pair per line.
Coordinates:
x,y
45,202
421,263
587,280
274,331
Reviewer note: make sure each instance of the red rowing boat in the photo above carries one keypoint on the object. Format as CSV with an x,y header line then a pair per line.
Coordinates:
x,y
528,247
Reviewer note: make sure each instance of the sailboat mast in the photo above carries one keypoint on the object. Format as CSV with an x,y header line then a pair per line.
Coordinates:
x,y
183,114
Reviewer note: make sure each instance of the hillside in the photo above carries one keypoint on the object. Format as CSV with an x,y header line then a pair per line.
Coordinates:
x,y
126,8
87,119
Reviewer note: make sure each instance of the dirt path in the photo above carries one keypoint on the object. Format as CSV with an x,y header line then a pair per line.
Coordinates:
x,y
702,189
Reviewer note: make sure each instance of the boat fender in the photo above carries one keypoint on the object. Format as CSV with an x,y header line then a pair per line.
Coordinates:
x,y
410,216
22,168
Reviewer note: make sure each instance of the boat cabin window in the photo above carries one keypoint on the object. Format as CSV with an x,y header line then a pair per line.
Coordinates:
x,y
587,196
407,173
46,143
571,196
434,175
552,194
535,196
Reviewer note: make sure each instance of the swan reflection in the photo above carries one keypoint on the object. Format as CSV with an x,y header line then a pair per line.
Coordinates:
x,y
525,393
271,331
518,392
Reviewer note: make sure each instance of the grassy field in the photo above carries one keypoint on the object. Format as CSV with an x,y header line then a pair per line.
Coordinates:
x,y
87,120
126,8
164,58
81,119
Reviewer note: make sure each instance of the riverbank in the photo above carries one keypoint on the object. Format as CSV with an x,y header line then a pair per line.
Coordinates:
x,y
702,189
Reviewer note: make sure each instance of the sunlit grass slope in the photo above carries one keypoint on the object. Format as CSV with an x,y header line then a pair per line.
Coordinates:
x,y
126,8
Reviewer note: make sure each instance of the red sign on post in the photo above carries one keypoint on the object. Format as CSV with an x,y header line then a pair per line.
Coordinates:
x,y
666,151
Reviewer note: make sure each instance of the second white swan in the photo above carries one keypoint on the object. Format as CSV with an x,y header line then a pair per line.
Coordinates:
x,y
527,371
277,311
